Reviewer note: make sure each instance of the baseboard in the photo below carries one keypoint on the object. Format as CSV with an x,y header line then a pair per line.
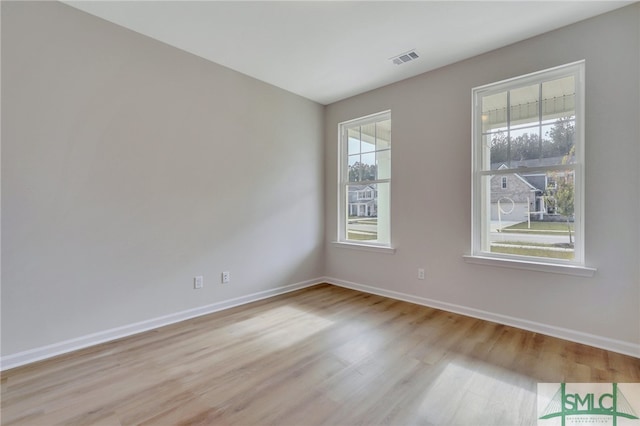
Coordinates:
x,y
49,351
613,345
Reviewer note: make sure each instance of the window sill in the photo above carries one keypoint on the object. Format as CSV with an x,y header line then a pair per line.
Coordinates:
x,y
364,247
580,271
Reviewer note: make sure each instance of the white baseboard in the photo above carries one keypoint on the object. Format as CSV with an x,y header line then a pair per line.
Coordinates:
x,y
49,351
626,348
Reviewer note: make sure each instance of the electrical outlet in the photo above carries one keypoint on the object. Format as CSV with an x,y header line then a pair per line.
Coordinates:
x,y
421,273
198,282
226,277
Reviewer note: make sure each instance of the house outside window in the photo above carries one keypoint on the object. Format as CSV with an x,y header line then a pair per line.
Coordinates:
x,y
528,150
365,180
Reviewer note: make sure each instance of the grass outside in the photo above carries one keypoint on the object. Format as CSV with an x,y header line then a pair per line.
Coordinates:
x,y
539,228
531,250
362,234
507,247
534,244
364,221
358,236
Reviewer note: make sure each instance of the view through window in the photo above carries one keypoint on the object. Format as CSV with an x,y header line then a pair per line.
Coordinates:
x,y
365,179
527,167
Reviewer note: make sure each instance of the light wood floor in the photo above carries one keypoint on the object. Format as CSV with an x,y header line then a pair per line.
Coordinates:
x,y
323,355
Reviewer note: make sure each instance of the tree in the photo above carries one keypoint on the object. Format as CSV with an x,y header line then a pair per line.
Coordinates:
x,y
556,142
525,147
562,194
564,202
562,138
566,190
499,148
359,172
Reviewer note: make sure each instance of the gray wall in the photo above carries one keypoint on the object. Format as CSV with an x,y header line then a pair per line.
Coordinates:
x,y
431,187
129,167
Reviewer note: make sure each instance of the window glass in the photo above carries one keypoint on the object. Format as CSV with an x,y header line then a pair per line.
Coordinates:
x,y
528,194
365,180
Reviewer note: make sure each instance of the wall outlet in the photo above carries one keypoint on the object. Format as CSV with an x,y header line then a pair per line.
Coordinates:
x,y
226,277
198,282
421,273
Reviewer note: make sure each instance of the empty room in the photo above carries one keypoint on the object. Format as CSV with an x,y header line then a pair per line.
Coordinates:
x,y
320,213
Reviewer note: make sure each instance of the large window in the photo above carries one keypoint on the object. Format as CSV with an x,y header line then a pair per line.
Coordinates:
x,y
365,179
528,150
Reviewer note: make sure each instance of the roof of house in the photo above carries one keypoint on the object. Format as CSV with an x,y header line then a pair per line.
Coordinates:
x,y
536,162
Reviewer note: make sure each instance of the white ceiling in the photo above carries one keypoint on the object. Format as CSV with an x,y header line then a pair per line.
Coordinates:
x,y
330,50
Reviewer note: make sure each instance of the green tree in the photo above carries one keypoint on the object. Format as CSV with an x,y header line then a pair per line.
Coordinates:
x,y
557,142
562,138
564,202
359,172
525,147
562,194
566,191
499,148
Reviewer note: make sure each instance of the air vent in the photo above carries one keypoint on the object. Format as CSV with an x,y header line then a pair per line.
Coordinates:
x,y
404,57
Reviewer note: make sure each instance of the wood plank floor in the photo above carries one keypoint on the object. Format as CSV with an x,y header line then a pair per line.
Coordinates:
x,y
322,355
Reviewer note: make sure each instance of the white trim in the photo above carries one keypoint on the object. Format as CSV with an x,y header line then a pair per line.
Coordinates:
x,y
524,80
49,351
619,346
364,247
368,119
558,268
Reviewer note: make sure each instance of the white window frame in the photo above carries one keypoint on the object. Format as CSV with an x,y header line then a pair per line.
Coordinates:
x,y
343,184
479,228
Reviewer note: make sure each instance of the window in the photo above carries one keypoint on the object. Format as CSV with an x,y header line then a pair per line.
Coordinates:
x,y
528,150
365,180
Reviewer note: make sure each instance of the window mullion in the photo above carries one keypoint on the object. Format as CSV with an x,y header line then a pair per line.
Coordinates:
x,y
508,129
540,120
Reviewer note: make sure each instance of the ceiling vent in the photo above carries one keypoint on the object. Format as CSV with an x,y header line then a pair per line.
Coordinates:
x,y
404,57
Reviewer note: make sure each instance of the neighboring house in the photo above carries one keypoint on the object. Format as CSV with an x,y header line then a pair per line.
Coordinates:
x,y
519,195
363,200
514,197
